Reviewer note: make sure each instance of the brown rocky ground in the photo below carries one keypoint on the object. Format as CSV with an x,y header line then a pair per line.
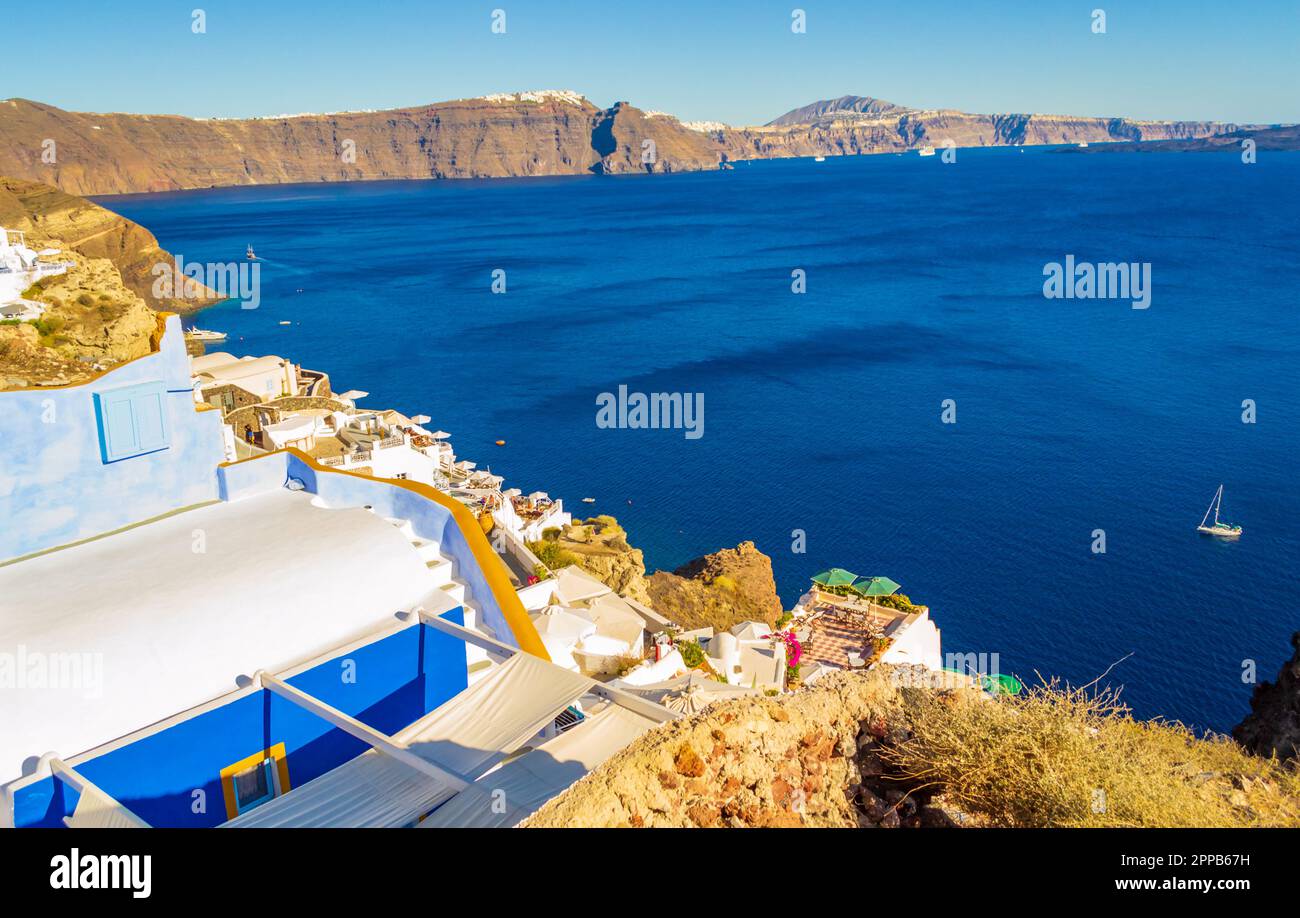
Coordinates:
x,y
891,748
810,759
91,322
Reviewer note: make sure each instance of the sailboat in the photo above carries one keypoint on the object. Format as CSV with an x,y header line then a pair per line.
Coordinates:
x,y
251,255
1221,529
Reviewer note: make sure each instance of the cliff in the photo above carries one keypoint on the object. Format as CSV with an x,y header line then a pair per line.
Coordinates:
x,y
519,134
61,220
1273,725
1271,138
96,313
887,749
718,590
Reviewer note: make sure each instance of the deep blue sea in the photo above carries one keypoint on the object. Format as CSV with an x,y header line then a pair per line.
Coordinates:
x,y
823,410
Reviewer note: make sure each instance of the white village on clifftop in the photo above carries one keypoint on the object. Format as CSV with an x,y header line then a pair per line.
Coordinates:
x,y
244,599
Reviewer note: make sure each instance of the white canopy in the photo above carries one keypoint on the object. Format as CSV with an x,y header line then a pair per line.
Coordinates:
x,y
560,623
373,790
688,693
574,585
292,428
494,715
96,810
526,783
615,618
752,631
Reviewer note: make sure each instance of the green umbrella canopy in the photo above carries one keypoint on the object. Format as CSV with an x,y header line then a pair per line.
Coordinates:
x,y
836,576
874,586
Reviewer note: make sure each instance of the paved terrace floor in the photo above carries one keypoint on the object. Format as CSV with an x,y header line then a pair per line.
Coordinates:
x,y
165,616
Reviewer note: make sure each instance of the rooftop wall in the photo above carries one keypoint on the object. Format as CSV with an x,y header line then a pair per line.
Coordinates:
x,y
432,515
171,777
55,485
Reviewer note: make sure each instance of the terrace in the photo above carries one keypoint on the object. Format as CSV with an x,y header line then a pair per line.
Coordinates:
x,y
297,577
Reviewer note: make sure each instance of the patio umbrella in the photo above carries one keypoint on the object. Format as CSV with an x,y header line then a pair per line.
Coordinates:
x,y
440,435
874,586
836,576
421,419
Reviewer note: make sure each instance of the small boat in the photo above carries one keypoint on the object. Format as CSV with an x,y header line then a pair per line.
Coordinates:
x,y
926,151
1083,143
819,159
286,322
1221,529
203,334
251,255
501,443
589,500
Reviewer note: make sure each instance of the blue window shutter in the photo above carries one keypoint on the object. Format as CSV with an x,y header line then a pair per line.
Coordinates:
x,y
132,421
150,413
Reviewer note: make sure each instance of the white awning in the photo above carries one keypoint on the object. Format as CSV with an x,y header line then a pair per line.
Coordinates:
x,y
521,786
574,585
97,810
494,716
373,790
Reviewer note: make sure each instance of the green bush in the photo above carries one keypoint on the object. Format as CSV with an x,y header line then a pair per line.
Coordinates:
x,y
552,555
692,653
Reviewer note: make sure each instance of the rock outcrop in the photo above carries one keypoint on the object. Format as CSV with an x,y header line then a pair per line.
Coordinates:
x,y
519,134
56,218
718,590
95,314
1273,725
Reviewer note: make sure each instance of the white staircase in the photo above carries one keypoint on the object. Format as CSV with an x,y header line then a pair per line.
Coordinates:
x,y
442,571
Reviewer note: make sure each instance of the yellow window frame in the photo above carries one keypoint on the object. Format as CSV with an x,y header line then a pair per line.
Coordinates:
x,y
275,753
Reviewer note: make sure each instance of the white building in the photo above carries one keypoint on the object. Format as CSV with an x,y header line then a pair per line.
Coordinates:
x,y
20,267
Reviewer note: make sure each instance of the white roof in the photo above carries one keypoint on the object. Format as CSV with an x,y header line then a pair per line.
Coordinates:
x,y
615,618
574,585
752,631
207,361
291,428
279,581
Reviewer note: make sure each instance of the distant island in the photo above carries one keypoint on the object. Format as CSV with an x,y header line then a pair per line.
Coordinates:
x,y
1284,137
550,132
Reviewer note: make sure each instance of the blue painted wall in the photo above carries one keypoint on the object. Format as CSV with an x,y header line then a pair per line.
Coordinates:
x,y
397,680
55,486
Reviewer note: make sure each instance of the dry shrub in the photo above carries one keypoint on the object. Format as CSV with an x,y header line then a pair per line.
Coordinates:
x,y
1057,756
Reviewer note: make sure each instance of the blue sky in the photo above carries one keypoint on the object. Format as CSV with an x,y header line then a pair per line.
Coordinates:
x,y
737,62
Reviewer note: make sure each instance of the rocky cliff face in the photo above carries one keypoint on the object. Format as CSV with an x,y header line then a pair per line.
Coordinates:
x,y
718,590
1273,725
517,134
95,315
804,760
61,220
